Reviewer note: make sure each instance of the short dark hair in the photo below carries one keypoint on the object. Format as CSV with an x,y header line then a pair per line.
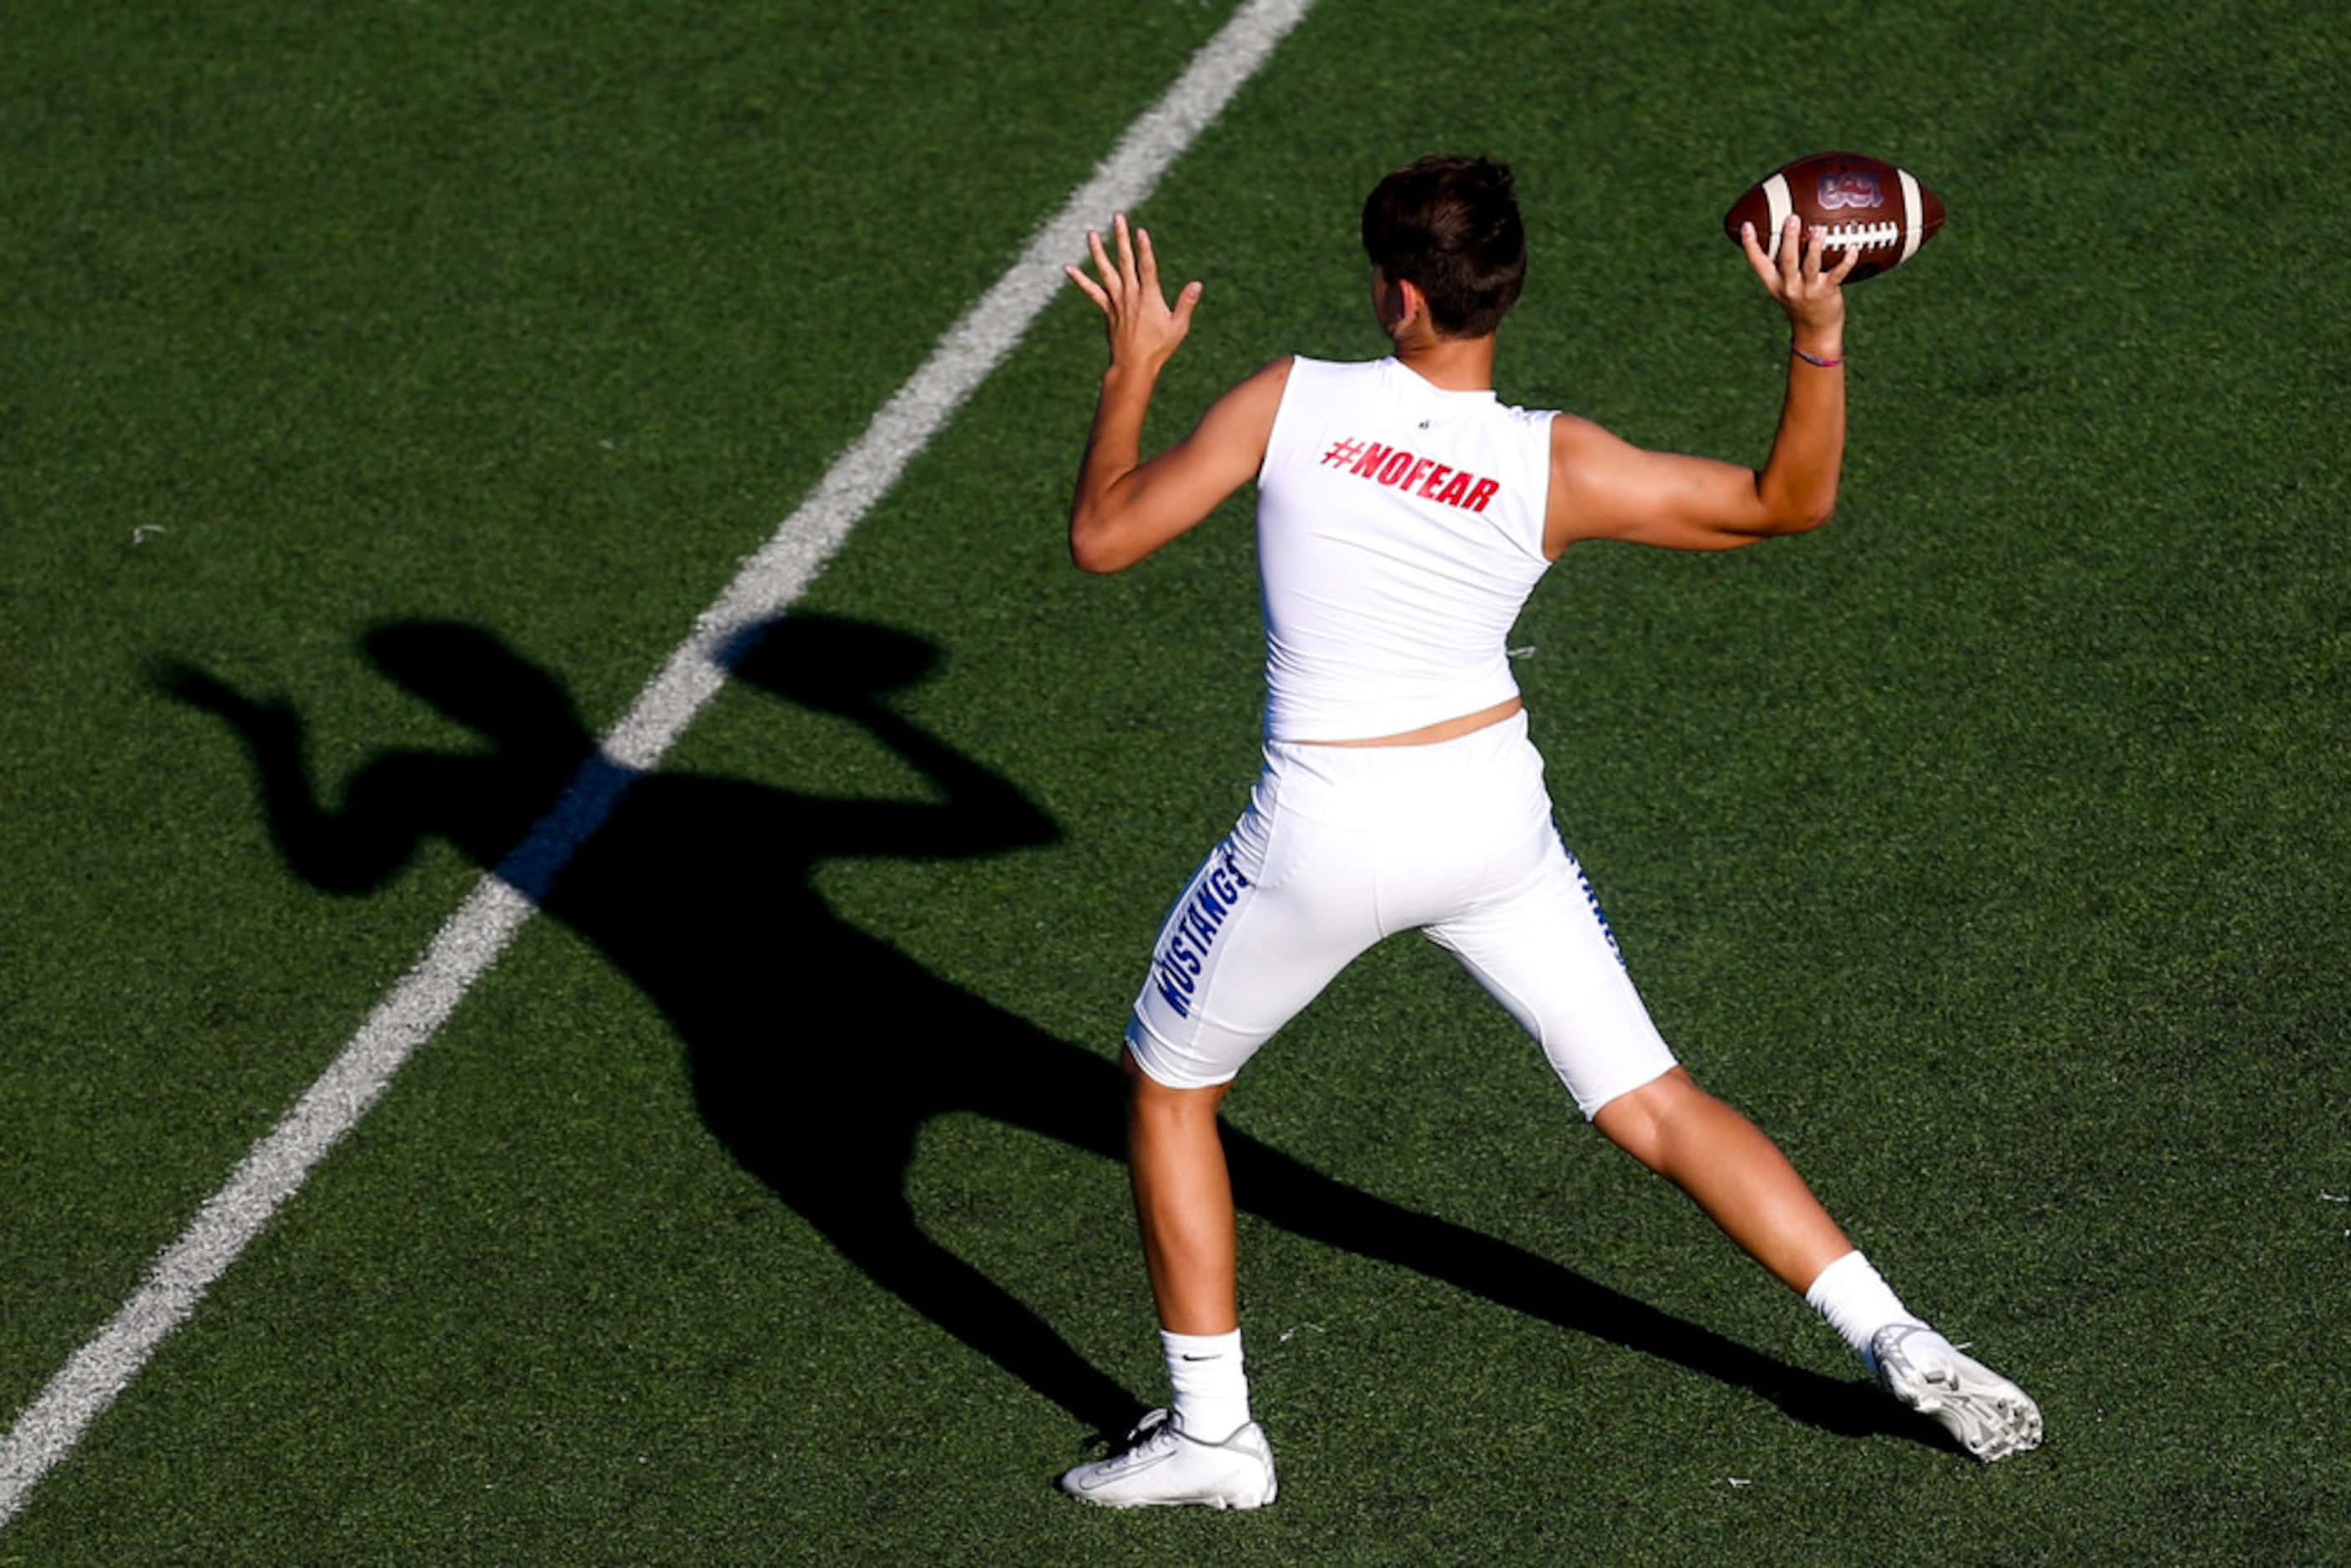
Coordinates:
x,y
1449,226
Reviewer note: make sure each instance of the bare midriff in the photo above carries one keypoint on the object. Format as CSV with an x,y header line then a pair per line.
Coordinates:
x,y
1443,729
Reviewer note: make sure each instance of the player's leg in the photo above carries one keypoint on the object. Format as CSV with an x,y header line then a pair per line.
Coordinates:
x,y
1266,923
1746,1185
1730,1170
1548,957
1545,951
1183,1202
1203,1449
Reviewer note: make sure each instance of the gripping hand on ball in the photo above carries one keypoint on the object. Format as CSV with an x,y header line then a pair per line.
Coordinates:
x,y
1813,299
1144,331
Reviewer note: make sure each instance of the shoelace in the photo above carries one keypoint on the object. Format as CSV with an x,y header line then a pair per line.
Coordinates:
x,y
1155,1426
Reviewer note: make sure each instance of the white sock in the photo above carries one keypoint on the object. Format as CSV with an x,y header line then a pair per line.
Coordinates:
x,y
1857,1303
1211,1391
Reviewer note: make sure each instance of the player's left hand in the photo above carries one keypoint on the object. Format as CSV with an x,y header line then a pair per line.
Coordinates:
x,y
1143,332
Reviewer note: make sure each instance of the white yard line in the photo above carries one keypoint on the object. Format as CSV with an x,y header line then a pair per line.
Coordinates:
x,y
471,940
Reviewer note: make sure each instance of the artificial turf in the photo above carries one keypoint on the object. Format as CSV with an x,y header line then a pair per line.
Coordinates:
x,y
427,369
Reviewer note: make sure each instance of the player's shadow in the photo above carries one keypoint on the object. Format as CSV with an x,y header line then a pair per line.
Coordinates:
x,y
700,889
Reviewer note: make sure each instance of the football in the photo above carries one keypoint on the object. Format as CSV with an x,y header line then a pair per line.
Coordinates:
x,y
1865,203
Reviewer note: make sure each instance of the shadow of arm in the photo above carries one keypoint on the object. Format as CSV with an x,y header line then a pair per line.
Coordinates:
x,y
354,851
984,812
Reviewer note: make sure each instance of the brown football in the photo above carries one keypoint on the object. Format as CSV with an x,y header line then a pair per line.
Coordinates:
x,y
1865,203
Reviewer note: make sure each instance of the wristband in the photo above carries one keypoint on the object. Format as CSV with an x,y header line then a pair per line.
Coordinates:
x,y
1815,360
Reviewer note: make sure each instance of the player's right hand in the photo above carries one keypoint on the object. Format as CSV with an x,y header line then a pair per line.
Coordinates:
x,y
1813,299
1143,332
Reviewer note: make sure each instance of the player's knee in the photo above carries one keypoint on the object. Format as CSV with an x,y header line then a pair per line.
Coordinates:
x,y
1148,1096
1642,1122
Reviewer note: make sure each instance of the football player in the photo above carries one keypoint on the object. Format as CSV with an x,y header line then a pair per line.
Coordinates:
x,y
1403,514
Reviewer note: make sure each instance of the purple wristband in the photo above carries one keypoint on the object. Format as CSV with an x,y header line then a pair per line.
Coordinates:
x,y
1815,360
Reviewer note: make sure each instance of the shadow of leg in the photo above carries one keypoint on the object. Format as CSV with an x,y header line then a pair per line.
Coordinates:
x,y
1081,1107
975,1309
1274,1186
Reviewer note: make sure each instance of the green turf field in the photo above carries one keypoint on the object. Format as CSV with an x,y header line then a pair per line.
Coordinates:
x,y
386,389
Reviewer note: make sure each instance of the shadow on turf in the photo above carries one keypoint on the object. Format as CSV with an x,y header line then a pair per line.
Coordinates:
x,y
699,890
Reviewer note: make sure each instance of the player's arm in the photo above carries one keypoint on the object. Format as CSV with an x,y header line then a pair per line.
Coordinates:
x,y
1125,509
1604,487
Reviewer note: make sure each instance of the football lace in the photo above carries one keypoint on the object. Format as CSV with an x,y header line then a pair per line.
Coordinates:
x,y
1862,237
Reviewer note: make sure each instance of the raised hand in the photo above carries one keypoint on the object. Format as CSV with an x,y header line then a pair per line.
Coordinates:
x,y
1143,332
1813,299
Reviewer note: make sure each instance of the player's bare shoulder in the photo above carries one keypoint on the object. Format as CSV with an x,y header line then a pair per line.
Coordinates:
x,y
1583,455
1576,440
1239,424
1269,379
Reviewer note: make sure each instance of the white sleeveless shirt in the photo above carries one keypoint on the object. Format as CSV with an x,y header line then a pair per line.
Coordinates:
x,y
1399,530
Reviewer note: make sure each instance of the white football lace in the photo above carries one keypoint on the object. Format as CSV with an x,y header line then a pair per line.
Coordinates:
x,y
1864,236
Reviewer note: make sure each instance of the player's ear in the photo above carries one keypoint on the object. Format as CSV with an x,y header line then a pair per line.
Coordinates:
x,y
1410,302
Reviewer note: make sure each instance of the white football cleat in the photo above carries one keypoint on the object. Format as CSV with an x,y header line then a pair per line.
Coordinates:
x,y
1163,1466
1991,1416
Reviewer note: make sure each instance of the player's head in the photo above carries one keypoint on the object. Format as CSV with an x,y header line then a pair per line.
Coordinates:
x,y
1449,227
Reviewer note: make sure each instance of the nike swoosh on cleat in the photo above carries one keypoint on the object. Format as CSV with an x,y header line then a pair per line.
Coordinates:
x,y
1137,1468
